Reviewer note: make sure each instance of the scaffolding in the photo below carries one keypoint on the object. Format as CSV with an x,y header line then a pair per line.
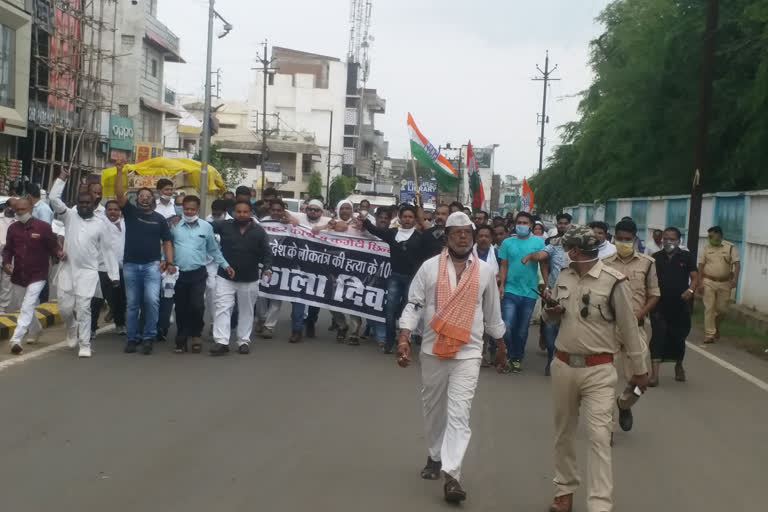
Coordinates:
x,y
71,88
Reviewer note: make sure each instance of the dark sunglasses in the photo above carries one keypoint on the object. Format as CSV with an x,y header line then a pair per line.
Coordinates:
x,y
314,210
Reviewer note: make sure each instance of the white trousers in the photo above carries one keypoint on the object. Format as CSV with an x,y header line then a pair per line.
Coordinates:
x,y
448,389
247,294
272,312
6,292
27,320
78,326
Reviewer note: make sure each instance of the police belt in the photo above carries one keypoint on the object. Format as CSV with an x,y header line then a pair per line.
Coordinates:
x,y
717,279
580,361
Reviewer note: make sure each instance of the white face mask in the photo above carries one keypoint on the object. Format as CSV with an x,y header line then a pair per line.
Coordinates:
x,y
580,261
24,218
190,219
166,198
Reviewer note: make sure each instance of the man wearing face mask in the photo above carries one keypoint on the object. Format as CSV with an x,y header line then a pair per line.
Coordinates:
x,y
87,241
165,204
719,268
29,245
455,295
671,318
519,282
644,283
146,232
596,318
606,248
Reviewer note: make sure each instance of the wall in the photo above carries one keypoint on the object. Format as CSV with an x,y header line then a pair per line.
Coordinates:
x,y
151,86
13,16
741,215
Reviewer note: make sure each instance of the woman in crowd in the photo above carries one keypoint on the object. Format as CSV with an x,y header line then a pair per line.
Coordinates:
x,y
406,255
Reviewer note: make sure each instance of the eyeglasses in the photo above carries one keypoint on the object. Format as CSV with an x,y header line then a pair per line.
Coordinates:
x,y
585,309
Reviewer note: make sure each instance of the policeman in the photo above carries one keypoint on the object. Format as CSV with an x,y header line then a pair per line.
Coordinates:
x,y
595,304
719,267
640,270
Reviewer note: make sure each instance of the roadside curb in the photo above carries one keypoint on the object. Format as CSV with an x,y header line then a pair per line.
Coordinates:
x,y
47,313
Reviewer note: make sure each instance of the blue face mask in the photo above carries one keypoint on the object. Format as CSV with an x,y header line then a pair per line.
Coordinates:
x,y
179,209
522,230
253,201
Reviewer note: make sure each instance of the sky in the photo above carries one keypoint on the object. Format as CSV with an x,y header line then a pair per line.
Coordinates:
x,y
463,69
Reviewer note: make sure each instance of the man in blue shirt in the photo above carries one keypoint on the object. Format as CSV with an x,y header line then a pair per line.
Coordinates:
x,y
40,210
193,243
519,283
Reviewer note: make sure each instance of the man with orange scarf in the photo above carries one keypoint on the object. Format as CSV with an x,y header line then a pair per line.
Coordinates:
x,y
456,294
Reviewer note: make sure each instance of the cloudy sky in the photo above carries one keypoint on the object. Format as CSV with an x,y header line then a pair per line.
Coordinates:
x,y
462,68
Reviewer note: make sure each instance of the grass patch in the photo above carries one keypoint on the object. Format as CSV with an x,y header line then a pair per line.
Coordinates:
x,y
735,333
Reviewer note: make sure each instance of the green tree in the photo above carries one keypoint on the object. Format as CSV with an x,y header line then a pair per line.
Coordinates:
x,y
315,187
341,187
231,173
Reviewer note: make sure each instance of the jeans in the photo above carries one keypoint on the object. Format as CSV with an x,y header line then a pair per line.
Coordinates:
x,y
297,316
549,332
142,287
397,297
379,331
516,311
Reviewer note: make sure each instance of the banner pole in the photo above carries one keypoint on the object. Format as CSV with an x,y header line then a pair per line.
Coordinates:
x,y
415,181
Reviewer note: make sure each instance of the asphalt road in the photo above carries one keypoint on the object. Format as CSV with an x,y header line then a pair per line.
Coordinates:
x,y
326,427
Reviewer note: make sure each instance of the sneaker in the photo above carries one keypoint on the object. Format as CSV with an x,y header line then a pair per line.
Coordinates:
x,y
84,352
267,333
72,342
625,418
516,367
244,349
16,348
219,350
130,347
146,348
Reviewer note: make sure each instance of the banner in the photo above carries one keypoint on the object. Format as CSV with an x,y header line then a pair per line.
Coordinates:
x,y
526,198
427,189
328,270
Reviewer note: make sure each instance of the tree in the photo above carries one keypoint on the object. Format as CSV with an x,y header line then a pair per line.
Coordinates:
x,y
635,134
315,187
231,173
341,187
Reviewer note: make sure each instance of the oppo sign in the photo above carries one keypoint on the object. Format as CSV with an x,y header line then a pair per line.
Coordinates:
x,y
121,133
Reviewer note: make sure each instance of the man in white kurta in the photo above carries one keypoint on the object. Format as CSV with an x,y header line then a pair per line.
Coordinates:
x,y
87,241
449,383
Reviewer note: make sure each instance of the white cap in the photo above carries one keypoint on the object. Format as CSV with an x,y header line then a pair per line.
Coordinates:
x,y
458,219
316,202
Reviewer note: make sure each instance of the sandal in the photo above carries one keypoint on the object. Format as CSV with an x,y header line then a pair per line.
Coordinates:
x,y
432,470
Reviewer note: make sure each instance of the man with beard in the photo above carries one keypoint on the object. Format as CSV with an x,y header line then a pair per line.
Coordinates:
x,y
87,242
29,245
145,232
244,245
434,239
455,294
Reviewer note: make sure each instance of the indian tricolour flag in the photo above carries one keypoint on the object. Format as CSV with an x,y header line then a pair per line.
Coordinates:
x,y
423,151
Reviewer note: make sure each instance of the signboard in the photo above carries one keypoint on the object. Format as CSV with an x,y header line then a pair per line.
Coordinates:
x,y
120,133
145,151
427,189
327,270
271,166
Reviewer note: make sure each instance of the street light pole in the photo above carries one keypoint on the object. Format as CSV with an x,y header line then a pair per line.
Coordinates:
x,y
206,142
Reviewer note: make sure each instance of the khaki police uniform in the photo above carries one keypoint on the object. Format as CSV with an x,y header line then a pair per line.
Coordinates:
x,y
588,341
640,270
717,271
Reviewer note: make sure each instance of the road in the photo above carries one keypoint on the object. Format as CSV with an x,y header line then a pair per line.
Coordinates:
x,y
326,427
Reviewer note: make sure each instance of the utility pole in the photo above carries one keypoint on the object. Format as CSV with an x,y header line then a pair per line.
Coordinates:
x,y
702,125
266,64
328,173
543,119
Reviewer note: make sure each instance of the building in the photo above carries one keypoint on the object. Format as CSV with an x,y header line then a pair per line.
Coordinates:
x,y
181,135
15,41
509,194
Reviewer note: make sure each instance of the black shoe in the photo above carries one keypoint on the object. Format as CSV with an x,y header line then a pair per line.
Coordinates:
x,y
16,349
130,347
310,330
146,348
162,335
432,470
453,491
625,418
354,340
219,350
244,349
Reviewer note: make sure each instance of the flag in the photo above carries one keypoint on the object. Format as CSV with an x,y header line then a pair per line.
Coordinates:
x,y
428,156
475,183
526,198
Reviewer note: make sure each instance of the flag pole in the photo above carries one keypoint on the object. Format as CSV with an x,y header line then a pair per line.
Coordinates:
x,y
415,182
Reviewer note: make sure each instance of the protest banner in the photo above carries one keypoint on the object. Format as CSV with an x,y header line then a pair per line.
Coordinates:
x,y
328,270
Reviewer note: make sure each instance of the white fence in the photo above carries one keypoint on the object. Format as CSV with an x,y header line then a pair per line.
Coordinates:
x,y
742,215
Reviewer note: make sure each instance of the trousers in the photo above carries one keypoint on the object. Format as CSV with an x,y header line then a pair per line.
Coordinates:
x,y
27,321
716,298
272,313
115,297
448,387
516,311
189,298
593,390
6,292
142,290
78,326
226,293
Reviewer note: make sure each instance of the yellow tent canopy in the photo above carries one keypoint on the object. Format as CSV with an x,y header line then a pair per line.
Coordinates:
x,y
165,167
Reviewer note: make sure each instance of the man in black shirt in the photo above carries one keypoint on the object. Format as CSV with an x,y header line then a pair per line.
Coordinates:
x,y
244,245
145,232
671,318
434,237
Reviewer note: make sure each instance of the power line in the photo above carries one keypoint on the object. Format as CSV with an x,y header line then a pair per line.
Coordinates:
x,y
542,118
266,68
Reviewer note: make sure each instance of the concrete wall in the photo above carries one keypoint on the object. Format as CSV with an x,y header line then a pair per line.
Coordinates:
x,y
13,16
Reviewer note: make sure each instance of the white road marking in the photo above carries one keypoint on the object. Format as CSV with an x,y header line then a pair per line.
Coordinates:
x,y
728,366
38,353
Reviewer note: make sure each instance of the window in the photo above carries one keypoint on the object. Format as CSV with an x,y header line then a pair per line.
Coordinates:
x,y
154,68
122,110
7,57
127,41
